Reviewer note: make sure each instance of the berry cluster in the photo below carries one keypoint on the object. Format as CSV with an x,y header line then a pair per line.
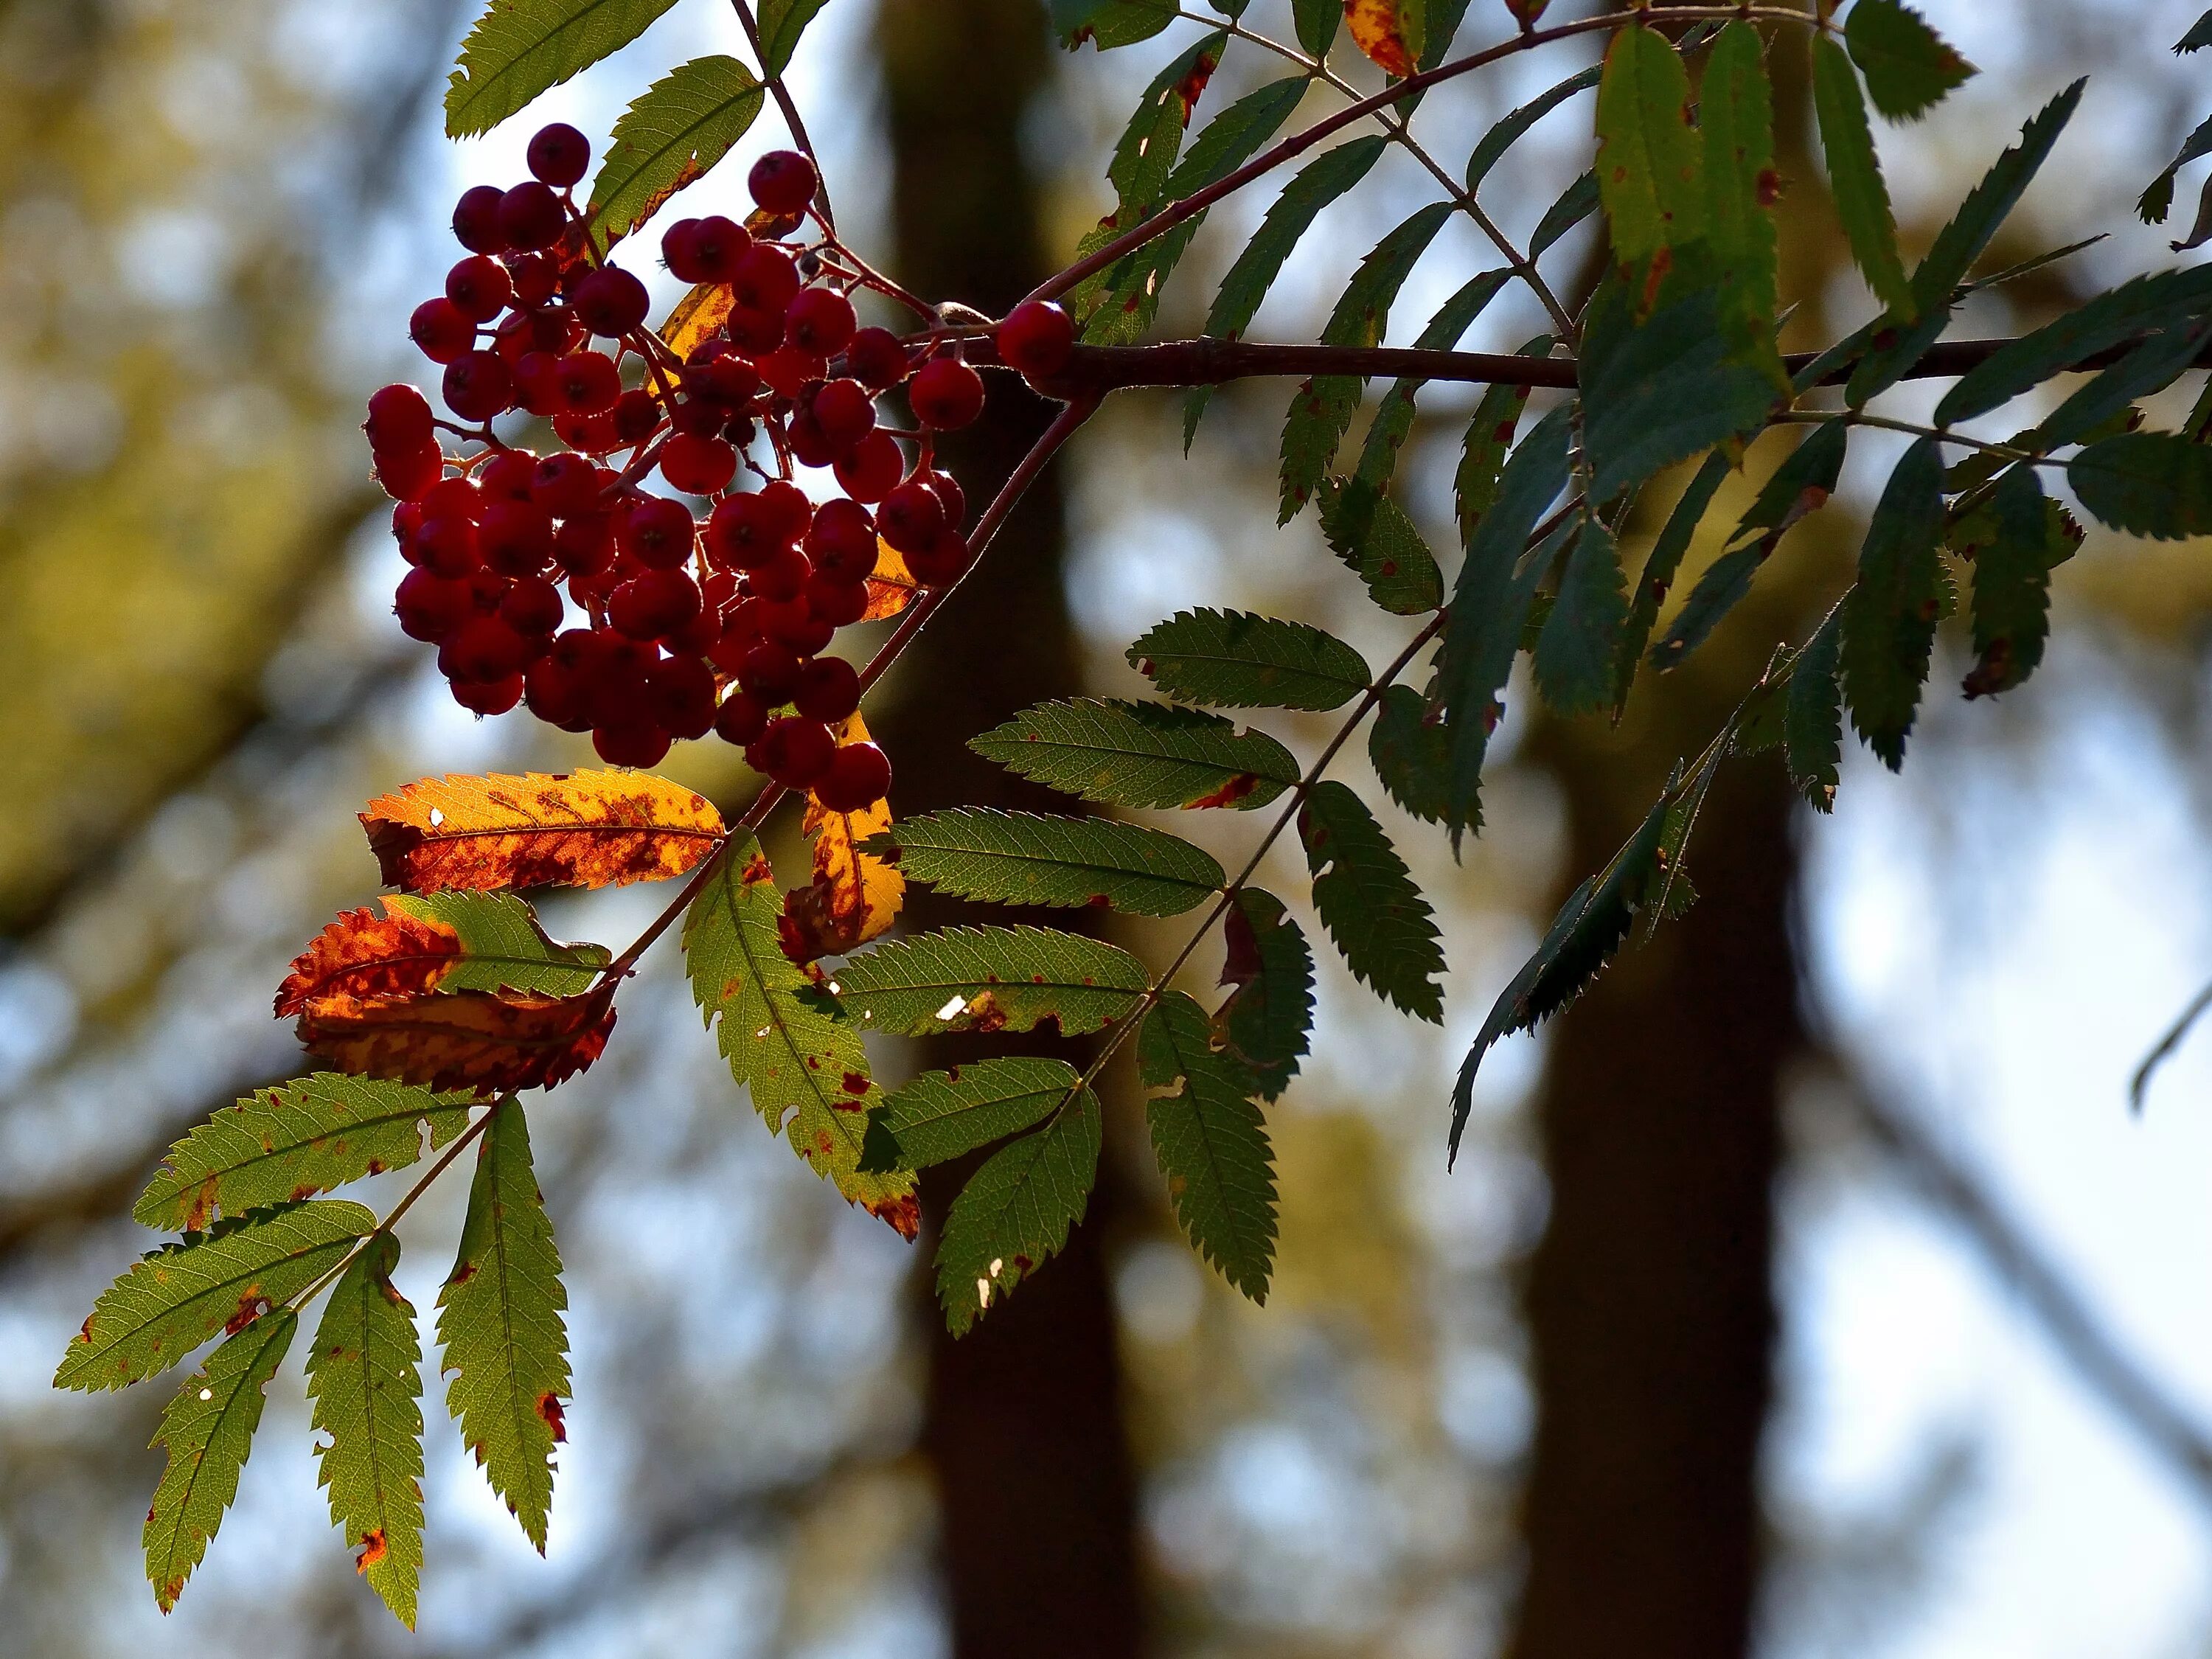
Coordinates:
x,y
677,620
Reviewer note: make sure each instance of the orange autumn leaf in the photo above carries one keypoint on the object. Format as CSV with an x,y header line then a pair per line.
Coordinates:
x,y
854,897
697,315
1388,31
490,1042
371,958
892,587
570,829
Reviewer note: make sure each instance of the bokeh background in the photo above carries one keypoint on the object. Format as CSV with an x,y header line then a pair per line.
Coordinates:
x,y
1808,1290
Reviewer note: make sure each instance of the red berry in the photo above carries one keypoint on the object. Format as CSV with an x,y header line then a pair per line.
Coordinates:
x,y
454,498
911,516
810,446
478,385
728,382
794,751
699,466
439,331
755,330
788,510
406,473
489,696
633,742
559,154
637,416
741,532
430,607
949,493
782,575
584,383
658,533
873,468
829,690
536,279
858,776
770,672
611,301
533,605
480,649
845,414
476,220
530,216
944,561
515,539
762,278
445,545
876,359
788,369
697,417
669,598
704,250
843,541
835,604
946,394
680,695
555,694
741,719
399,417
566,484
506,477
820,321
1037,338
584,545
679,251
782,182
479,288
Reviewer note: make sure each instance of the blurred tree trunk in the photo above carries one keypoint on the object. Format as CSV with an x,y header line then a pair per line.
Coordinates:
x,y
1024,1418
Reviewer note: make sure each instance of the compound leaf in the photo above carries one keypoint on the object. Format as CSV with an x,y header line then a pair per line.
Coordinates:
x,y
2013,543
1412,753
2162,300
782,23
1649,161
1375,536
1812,715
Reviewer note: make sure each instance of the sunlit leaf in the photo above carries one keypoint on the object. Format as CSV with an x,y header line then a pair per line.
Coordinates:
x,y
671,134
1036,858
488,1043
1139,754
1736,110
520,48
941,1116
854,896
1390,32
442,942
891,586
696,318
1239,660
990,979
1649,161
781,24
1015,1211
1211,1142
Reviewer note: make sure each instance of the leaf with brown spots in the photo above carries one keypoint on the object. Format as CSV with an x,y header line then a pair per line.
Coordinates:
x,y
854,896
1388,31
486,1041
569,830
892,587
670,135
697,316
374,958
444,942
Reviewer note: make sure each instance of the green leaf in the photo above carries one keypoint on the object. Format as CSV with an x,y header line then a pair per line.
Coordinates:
x,y
1938,278
292,1141
500,1326
2157,363
1812,715
502,946
943,1114
1489,439
2148,304
1288,220
362,1376
2012,542
520,48
1323,406
2199,35
1036,858
1659,567
1369,904
1268,1017
802,1064
1141,754
675,131
1015,1212
1909,68
1109,23
1657,392
1508,131
2147,483
177,1297
1736,110
1649,161
1890,614
1239,660
1316,22
1800,485
1580,640
1489,603
1412,753
1393,418
782,23
2157,199
209,1430
1855,177
1383,546
1211,1142
990,979
1573,205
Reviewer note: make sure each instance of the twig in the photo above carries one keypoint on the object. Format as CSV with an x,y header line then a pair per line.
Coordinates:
x,y
2140,1085
784,102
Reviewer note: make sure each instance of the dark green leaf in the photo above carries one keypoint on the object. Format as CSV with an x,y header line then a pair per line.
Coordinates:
x,y
1489,438
209,1430
362,1375
2152,366
1855,177
1316,22
1238,659
1109,23
782,23
1890,616
499,1327
2013,543
1394,419
1036,858
2199,35
292,1141
2157,199
990,979
1015,1211
180,1295
1649,161
2166,299
2147,483
1489,603
1373,535
1323,406
1211,1143
1574,204
1580,640
1141,754
1411,750
1812,715
519,48
1736,111
677,130
1909,68
1659,567
1369,904
943,1114
1508,132
1268,1017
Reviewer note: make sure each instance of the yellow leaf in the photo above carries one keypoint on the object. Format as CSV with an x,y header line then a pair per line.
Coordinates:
x,y
568,829
892,587
854,896
697,314
1388,31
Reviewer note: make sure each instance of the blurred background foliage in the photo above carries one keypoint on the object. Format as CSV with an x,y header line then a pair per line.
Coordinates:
x,y
1804,1292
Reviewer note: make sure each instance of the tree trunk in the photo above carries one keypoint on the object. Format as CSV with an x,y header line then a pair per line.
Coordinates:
x,y
1022,1422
